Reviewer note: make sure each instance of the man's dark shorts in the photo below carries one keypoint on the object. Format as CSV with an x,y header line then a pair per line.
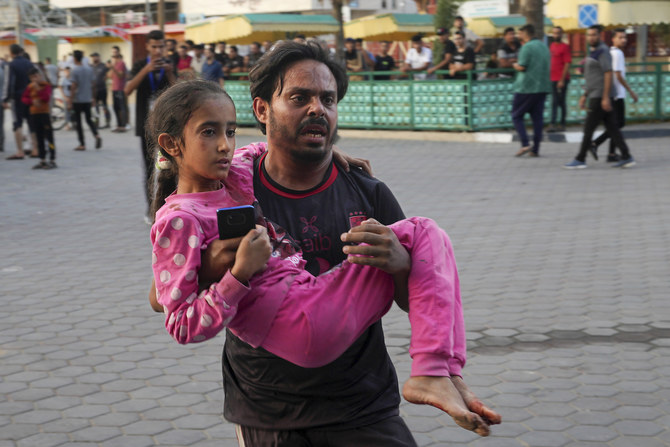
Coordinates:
x,y
391,432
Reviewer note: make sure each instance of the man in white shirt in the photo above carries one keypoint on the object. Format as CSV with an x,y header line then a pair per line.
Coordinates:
x,y
198,59
619,41
419,58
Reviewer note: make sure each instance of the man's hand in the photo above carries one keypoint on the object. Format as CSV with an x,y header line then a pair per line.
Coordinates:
x,y
634,96
378,247
218,259
582,102
560,85
431,70
606,104
345,161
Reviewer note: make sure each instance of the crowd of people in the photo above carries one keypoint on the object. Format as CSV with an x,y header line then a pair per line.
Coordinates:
x,y
82,82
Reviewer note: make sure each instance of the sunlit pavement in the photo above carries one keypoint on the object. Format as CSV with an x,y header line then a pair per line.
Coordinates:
x,y
564,278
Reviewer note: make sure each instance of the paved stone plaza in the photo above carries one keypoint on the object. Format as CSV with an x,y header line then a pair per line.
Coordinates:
x,y
564,275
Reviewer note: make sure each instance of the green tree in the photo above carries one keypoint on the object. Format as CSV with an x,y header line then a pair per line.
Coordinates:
x,y
444,18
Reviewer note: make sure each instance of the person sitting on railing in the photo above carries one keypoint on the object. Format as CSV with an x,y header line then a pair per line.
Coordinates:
x,y
353,58
463,58
384,61
448,49
419,58
508,52
235,62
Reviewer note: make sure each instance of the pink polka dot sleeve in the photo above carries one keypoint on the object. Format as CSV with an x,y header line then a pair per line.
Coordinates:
x,y
190,316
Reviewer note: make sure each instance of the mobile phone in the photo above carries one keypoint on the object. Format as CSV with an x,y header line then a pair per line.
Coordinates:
x,y
235,221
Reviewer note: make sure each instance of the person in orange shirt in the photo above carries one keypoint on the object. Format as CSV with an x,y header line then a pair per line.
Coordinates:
x,y
37,96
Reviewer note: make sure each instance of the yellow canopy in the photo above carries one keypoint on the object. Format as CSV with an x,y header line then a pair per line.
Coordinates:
x,y
393,27
610,12
247,28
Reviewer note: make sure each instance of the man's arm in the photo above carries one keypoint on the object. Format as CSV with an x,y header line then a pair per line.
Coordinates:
x,y
623,82
444,63
605,103
479,45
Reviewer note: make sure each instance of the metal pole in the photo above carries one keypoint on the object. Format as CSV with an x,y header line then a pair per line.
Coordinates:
x,y
161,15
18,30
147,12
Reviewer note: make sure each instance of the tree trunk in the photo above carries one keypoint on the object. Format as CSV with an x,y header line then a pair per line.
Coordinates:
x,y
533,10
339,37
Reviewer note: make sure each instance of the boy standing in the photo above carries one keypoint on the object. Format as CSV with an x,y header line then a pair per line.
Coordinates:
x,y
37,96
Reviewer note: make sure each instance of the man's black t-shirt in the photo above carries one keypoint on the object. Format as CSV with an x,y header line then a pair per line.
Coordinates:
x,y
361,386
384,63
235,62
151,86
448,48
463,57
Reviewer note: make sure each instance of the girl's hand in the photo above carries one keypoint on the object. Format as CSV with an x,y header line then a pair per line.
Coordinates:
x,y
346,161
252,254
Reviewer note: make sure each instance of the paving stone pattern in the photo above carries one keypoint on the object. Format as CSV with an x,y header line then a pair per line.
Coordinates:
x,y
564,280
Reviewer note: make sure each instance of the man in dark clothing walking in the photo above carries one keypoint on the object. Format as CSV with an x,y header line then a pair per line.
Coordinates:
x,y
597,99
100,70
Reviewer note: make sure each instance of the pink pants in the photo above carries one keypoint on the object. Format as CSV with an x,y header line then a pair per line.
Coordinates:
x,y
322,316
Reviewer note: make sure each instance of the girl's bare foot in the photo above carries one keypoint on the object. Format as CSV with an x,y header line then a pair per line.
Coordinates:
x,y
474,404
441,393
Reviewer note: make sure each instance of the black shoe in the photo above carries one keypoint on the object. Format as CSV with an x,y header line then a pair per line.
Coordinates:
x,y
98,142
42,165
52,165
552,129
613,158
594,150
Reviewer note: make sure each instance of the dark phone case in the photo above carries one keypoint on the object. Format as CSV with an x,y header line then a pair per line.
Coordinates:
x,y
236,221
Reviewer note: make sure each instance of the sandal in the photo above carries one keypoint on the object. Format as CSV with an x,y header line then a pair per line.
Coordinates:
x,y
523,151
80,148
15,157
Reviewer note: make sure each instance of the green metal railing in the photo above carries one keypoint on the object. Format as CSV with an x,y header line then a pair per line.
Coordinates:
x,y
465,105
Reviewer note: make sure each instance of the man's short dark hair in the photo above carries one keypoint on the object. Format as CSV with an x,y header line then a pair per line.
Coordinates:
x,y
596,27
359,40
155,35
32,71
618,30
460,33
300,36
234,48
267,75
190,43
172,41
459,18
508,30
528,29
115,47
200,46
15,49
78,55
47,60
95,54
416,38
558,27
